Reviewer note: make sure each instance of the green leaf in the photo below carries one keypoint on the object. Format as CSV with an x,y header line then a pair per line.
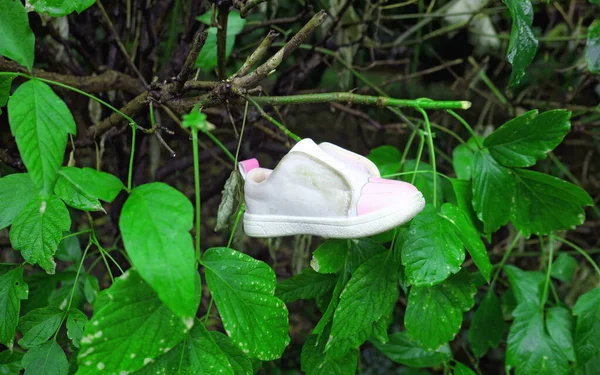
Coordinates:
x,y
40,122
464,200
207,59
69,250
5,84
155,224
461,369
37,231
434,314
313,360
592,48
530,350
18,40
12,290
330,256
197,354
76,322
403,350
470,238
530,137
98,184
39,325
523,44
587,329
238,360
386,158
564,267
462,161
48,359
75,197
231,201
432,249
526,285
130,328
487,327
306,285
243,288
360,251
370,295
90,288
11,362
493,191
59,8
424,181
16,190
561,326
545,203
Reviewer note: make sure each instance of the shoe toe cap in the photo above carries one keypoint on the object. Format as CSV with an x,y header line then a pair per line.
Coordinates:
x,y
380,193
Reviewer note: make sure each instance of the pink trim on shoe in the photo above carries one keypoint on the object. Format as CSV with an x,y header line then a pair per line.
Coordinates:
x,y
379,193
246,166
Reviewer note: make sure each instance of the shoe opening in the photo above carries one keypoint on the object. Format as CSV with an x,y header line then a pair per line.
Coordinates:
x,y
259,175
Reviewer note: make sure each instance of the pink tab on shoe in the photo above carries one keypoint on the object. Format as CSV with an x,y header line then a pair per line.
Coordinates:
x,y
379,193
246,166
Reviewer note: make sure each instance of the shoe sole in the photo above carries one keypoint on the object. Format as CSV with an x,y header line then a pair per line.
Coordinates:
x,y
354,227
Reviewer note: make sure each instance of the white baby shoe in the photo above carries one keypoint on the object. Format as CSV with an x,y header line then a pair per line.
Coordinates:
x,y
324,190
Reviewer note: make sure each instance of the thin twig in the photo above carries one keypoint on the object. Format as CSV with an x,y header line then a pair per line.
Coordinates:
x,y
188,66
248,6
258,54
222,42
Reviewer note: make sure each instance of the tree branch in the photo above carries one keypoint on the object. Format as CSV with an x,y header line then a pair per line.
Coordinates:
x,y
188,66
258,54
254,78
248,6
222,42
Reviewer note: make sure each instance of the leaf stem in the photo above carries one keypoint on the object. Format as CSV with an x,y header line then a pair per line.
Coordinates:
x,y
467,126
235,224
131,157
580,251
431,153
419,153
548,269
504,258
197,190
221,146
273,121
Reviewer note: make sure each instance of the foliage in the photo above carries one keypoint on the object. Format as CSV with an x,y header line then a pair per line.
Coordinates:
x,y
110,272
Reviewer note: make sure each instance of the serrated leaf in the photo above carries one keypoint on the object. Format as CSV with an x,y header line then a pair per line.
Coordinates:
x,y
75,197
59,8
530,350
198,353
76,321
5,84
11,362
48,359
528,138
12,290
306,285
60,297
330,256
98,184
462,369
360,250
243,289
16,190
463,191
561,326
592,48
493,191
434,314
523,44
39,325
207,58
386,158
155,224
323,324
69,250
370,294
18,40
545,203
432,250
40,122
587,329
313,360
487,327
526,285
91,288
470,238
239,362
403,350
462,161
130,328
564,267
231,197
37,230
